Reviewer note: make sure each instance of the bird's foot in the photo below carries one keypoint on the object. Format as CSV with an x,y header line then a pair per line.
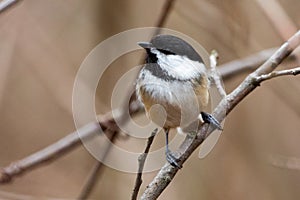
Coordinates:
x,y
172,160
208,118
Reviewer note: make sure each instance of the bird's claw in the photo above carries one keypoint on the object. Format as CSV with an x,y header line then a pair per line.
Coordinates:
x,y
172,160
208,118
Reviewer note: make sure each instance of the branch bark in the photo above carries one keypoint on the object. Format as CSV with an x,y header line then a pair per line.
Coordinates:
x,y
5,4
168,172
264,77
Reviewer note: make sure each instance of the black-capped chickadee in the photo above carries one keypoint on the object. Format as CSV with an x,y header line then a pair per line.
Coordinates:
x,y
175,78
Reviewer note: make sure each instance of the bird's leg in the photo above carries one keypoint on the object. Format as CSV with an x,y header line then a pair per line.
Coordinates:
x,y
208,118
170,158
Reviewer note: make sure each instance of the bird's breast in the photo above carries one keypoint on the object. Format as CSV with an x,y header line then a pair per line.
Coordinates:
x,y
180,100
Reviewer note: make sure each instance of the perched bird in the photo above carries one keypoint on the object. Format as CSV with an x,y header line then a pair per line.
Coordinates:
x,y
174,77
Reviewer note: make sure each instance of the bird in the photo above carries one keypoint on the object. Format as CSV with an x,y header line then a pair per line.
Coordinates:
x,y
175,78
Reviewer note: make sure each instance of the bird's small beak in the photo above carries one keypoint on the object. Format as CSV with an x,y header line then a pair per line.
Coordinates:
x,y
145,45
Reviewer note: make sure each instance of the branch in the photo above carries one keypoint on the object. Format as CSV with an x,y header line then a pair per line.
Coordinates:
x,y
142,159
264,77
165,12
5,4
278,17
247,64
62,146
93,176
168,172
215,74
284,162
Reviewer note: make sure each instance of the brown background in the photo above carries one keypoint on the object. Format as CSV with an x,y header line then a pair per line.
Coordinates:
x,y
42,44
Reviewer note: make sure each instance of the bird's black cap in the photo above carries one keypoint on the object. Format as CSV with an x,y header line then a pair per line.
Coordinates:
x,y
172,44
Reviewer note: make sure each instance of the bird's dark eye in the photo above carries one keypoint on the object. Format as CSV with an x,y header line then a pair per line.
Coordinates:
x,y
166,52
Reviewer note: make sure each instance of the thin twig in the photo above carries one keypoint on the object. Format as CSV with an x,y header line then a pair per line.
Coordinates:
x,y
285,162
94,174
91,180
215,74
280,20
168,172
264,77
165,13
47,154
5,4
141,160
248,63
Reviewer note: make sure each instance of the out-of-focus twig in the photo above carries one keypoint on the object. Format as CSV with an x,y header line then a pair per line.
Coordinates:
x,y
47,154
285,162
247,64
61,147
278,18
168,172
94,174
142,159
5,4
165,13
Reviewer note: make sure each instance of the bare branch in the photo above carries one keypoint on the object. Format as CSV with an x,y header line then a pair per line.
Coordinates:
x,y
264,77
280,20
285,162
94,174
168,172
62,146
165,12
142,159
5,4
247,64
215,74
47,154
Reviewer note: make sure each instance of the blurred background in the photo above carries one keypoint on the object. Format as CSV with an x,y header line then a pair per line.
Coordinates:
x,y
43,43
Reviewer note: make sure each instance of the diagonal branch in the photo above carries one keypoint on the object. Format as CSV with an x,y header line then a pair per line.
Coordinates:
x,y
5,4
168,172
